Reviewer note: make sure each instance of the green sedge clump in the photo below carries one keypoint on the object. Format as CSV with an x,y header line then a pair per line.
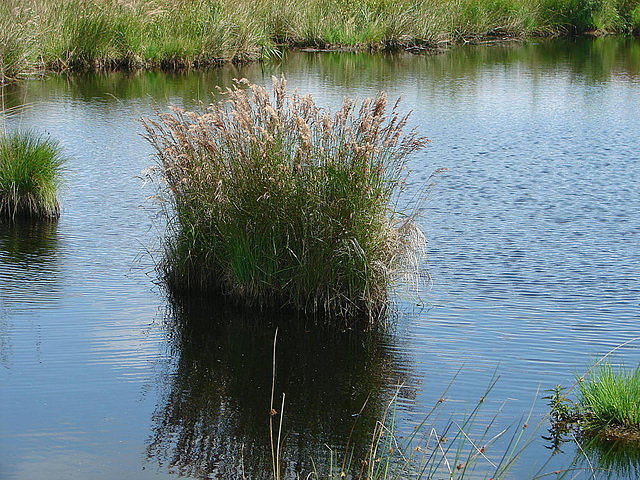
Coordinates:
x,y
30,175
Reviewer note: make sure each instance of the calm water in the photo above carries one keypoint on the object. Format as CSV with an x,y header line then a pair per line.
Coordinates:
x,y
534,254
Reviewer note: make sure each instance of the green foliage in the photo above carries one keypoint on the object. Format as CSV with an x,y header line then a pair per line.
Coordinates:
x,y
17,41
610,398
277,202
580,16
30,168
561,409
84,34
604,420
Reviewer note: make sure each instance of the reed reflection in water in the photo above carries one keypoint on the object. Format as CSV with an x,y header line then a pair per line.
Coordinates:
x,y
213,417
30,273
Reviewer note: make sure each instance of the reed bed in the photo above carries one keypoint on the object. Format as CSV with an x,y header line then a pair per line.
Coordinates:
x,y
276,202
80,34
30,171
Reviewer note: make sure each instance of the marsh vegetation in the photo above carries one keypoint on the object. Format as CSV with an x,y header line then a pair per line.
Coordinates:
x,y
98,34
30,174
607,403
274,201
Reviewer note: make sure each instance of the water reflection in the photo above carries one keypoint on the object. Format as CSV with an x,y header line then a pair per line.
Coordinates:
x,y
614,458
214,415
142,87
589,61
598,456
30,271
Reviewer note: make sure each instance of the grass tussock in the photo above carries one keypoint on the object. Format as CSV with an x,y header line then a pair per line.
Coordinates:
x,y
98,34
30,168
603,420
275,201
606,408
610,399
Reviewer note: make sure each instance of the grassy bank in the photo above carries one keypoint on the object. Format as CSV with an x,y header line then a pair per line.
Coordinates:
x,y
30,168
79,34
274,201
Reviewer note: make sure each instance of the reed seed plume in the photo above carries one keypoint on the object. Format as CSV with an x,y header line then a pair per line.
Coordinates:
x,y
275,201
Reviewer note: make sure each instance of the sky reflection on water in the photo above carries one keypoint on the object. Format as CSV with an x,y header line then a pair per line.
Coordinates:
x,y
533,252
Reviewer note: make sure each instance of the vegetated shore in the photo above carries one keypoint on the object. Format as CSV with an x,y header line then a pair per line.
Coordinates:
x,y
275,201
48,35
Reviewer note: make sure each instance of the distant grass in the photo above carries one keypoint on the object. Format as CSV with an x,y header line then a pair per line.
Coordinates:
x,y
82,34
274,201
17,42
30,167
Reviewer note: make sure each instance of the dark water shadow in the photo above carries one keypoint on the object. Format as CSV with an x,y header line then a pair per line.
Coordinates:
x,y
28,241
213,419
599,456
611,459
29,263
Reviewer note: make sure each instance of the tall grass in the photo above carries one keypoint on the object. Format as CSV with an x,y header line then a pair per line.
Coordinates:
x,y
17,42
80,34
30,168
275,201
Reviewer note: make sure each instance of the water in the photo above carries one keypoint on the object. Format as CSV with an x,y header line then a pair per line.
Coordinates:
x,y
534,254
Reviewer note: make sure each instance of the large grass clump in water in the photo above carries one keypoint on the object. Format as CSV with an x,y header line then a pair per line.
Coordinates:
x,y
30,169
274,201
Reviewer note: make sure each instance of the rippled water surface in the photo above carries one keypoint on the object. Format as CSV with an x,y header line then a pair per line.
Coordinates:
x,y
534,256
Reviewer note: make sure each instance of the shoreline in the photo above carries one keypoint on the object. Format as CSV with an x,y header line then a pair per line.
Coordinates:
x,y
104,65
176,35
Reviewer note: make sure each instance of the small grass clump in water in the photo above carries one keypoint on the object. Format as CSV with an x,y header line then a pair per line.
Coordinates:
x,y
275,201
604,419
607,406
30,168
610,400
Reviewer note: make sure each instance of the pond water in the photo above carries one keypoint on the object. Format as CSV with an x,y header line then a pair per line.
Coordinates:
x,y
533,253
